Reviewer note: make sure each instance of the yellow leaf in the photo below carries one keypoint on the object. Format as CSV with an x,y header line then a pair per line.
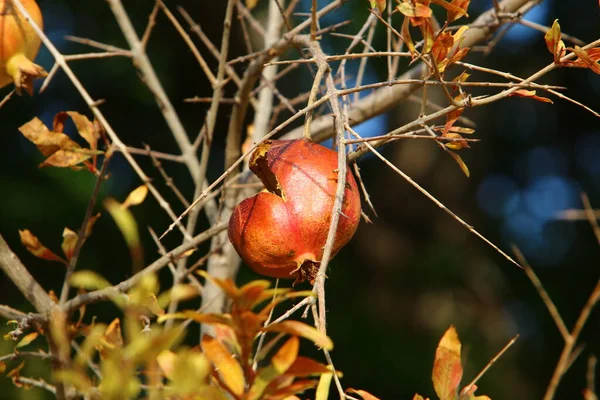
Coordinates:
x,y
129,229
301,329
230,370
412,10
447,368
460,163
89,280
380,4
68,243
554,42
136,197
250,4
323,387
27,339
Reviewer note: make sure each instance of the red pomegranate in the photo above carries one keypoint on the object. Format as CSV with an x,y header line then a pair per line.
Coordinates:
x,y
281,231
19,44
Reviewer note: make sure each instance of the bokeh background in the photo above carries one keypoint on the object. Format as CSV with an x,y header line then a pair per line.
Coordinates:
x,y
412,272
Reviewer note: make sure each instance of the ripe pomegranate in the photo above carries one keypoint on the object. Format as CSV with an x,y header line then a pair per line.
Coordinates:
x,y
19,44
281,231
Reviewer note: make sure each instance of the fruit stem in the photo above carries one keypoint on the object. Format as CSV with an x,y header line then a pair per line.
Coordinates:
x,y
23,71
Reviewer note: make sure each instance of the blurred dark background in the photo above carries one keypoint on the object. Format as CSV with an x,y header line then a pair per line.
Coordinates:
x,y
412,272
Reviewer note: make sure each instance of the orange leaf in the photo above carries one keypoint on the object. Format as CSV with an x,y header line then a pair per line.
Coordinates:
x,y
230,370
585,60
451,118
85,128
530,94
458,10
454,11
35,247
362,393
458,144
68,243
304,366
447,368
441,46
554,42
412,10
47,142
66,158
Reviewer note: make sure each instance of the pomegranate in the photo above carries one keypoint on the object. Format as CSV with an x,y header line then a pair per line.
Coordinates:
x,y
19,44
281,231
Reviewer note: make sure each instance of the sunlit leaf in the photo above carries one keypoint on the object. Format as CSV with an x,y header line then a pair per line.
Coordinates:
x,y
323,387
250,4
362,393
428,36
66,158
380,4
89,280
35,247
136,197
554,42
68,243
455,9
281,361
585,60
470,394
301,329
413,10
304,366
460,163
530,94
441,46
418,397
189,373
292,389
451,118
458,144
283,297
73,377
447,368
47,142
27,339
89,345
85,128
129,229
224,319
229,368
152,305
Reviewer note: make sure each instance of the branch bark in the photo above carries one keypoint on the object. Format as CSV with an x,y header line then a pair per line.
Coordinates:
x,y
386,98
23,280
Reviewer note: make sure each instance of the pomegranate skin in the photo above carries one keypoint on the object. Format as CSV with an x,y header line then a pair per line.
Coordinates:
x,y
281,232
19,44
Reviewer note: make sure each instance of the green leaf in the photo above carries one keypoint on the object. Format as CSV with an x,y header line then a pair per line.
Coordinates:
x,y
88,280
